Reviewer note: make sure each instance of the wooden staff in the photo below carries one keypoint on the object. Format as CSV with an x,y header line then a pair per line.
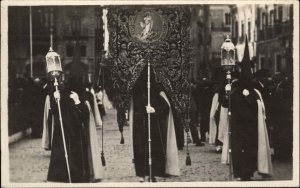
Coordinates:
x,y
102,131
30,42
62,130
149,124
228,92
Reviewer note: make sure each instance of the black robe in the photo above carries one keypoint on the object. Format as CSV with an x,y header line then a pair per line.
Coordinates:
x,y
140,129
244,128
75,118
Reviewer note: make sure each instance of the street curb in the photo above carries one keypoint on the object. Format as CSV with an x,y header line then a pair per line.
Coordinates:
x,y
19,135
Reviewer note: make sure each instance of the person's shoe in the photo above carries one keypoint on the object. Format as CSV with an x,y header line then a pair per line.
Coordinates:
x,y
245,178
199,144
219,149
153,179
142,180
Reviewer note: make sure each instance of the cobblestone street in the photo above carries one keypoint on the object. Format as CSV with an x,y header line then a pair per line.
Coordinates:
x,y
29,162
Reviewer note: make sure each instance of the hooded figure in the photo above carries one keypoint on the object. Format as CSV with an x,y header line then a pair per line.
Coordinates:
x,y
164,151
80,134
249,139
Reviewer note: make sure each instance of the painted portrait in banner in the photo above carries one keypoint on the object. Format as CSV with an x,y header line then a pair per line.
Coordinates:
x,y
148,26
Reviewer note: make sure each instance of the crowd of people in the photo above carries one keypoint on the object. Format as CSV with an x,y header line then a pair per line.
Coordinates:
x,y
261,119
277,94
208,115
82,110
255,125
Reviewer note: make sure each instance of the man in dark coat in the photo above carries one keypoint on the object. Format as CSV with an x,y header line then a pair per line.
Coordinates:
x,y
194,113
33,106
205,100
282,113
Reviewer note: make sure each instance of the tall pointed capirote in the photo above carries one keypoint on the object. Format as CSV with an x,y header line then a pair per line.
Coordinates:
x,y
77,68
246,73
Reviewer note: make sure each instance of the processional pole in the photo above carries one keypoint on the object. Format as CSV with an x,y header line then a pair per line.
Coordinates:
x,y
228,63
228,94
53,65
30,43
102,130
149,124
188,161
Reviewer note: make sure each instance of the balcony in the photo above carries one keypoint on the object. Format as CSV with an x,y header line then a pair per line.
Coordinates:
x,y
283,28
277,30
241,39
223,27
69,33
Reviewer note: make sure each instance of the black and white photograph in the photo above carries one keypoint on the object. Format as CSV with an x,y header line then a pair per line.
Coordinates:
x,y
148,93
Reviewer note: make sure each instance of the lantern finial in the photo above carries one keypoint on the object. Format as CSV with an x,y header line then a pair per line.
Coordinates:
x,y
53,63
227,54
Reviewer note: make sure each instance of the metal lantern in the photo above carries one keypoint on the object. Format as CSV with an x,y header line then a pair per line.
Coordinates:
x,y
228,63
228,55
54,70
53,63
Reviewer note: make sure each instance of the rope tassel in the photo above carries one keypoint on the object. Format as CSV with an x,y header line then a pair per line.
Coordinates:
x,y
122,139
103,159
188,161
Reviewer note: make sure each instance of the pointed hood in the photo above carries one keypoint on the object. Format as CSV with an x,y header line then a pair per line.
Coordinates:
x,y
77,68
77,71
246,74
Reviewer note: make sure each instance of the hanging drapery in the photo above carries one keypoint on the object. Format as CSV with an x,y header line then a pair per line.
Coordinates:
x,y
159,34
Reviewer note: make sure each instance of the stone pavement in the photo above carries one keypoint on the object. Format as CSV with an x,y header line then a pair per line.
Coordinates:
x,y
29,162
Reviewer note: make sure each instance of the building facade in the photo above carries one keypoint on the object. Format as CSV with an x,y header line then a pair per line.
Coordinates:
x,y
269,29
72,27
219,28
243,25
275,37
210,25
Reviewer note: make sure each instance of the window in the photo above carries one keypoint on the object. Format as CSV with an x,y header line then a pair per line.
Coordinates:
x,y
70,50
280,14
236,30
98,15
263,17
83,50
212,26
249,30
227,19
272,17
278,63
267,21
243,30
291,12
76,25
262,62
43,19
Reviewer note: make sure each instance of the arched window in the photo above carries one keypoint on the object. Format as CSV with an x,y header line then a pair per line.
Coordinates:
x,y
70,50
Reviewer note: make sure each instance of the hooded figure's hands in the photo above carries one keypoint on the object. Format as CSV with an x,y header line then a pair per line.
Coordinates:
x,y
75,97
150,109
56,95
